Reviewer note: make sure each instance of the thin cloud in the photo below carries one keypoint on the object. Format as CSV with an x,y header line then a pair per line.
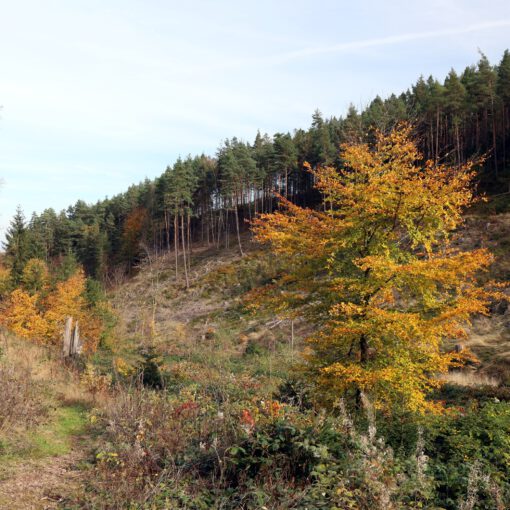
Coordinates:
x,y
346,47
385,41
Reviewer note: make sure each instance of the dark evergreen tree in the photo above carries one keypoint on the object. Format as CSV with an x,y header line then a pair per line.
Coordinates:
x,y
16,244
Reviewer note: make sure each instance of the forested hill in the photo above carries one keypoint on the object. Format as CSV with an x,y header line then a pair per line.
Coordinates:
x,y
208,199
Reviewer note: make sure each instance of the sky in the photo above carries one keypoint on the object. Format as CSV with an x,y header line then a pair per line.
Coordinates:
x,y
99,94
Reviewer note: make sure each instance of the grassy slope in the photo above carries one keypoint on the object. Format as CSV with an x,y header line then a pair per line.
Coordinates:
x,y
207,324
41,450
152,305
489,337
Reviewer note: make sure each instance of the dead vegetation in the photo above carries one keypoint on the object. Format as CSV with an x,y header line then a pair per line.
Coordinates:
x,y
21,405
43,418
489,337
209,316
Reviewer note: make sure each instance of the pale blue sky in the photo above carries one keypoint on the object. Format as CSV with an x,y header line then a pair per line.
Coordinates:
x,y
99,94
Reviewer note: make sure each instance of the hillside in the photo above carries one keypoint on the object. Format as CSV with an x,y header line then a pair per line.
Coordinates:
x,y
152,305
191,386
489,337
201,338
352,355
179,319
197,334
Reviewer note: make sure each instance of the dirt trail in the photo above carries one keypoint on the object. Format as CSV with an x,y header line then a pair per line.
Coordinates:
x,y
42,451
41,484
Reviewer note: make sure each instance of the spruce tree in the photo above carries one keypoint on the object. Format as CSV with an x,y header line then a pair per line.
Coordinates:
x,y
16,245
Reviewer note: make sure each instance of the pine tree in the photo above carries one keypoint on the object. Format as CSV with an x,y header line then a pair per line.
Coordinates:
x,y
503,90
16,245
455,99
285,160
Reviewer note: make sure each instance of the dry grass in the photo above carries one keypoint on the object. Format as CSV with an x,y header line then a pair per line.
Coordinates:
x,y
44,366
42,419
21,405
489,337
471,379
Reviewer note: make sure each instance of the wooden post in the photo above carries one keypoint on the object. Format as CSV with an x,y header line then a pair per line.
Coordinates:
x,y
67,345
75,342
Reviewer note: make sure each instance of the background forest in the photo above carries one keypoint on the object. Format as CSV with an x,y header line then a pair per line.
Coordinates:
x,y
208,198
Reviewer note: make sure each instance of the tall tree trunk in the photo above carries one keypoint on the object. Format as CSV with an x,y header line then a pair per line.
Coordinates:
x,y
494,142
237,228
183,239
437,136
226,228
218,232
190,244
176,246
202,221
504,136
457,141
477,133
167,230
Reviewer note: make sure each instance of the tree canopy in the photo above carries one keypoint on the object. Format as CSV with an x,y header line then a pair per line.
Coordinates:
x,y
376,271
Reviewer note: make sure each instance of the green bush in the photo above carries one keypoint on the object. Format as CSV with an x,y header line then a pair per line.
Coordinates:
x,y
477,439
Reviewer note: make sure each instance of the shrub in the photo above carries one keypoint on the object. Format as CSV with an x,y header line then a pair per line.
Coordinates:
x,y
477,438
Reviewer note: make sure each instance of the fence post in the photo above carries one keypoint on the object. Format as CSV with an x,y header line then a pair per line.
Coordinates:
x,y
67,346
76,344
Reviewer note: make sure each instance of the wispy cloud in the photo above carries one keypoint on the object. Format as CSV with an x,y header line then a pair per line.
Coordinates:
x,y
385,41
344,47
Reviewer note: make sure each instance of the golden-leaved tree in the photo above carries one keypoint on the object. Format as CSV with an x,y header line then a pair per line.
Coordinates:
x,y
39,314
376,271
68,300
22,315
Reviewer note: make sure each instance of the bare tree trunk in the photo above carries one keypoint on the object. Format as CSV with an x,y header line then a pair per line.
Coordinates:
x,y
437,135
431,141
237,228
189,239
477,133
183,239
202,220
504,137
458,143
219,230
494,143
226,228
176,246
167,230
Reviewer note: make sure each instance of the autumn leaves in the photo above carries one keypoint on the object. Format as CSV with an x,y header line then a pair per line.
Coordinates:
x,y
38,311
376,272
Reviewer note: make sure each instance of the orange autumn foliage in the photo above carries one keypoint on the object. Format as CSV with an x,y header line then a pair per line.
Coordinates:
x,y
42,318
67,300
376,271
23,317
